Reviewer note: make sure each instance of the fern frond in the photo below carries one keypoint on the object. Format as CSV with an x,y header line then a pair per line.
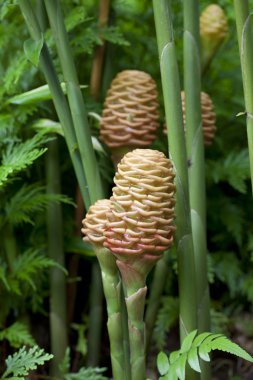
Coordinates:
x,y
83,373
87,374
19,156
16,69
234,169
28,265
17,335
28,200
194,348
24,361
166,318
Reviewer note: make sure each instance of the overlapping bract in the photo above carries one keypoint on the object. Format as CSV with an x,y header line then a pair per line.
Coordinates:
x,y
140,220
94,222
213,23
130,115
208,117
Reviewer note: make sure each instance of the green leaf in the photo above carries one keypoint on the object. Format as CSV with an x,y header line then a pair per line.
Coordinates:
x,y
163,363
188,341
193,360
194,347
224,344
32,49
180,368
17,335
28,200
18,156
36,95
23,361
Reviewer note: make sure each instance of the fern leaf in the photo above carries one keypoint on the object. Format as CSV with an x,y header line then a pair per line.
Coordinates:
x,y
24,361
17,335
87,374
193,348
18,156
222,343
28,265
234,169
167,317
193,359
28,200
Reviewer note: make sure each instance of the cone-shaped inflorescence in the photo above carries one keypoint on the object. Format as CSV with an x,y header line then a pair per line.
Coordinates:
x,y
139,228
208,117
94,222
213,31
130,115
94,225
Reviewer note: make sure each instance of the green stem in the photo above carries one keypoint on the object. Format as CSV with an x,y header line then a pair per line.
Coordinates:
x,y
59,99
245,41
196,157
177,151
157,287
134,270
58,316
75,99
95,316
112,291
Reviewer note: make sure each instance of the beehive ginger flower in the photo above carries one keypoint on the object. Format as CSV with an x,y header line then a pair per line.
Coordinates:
x,y
130,116
141,217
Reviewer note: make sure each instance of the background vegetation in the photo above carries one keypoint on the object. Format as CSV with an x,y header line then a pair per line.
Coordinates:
x,y
24,260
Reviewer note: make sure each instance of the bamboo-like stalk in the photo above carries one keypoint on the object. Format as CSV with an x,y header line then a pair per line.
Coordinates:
x,y
76,103
65,116
59,99
58,315
177,151
112,290
98,60
196,159
95,316
58,309
245,40
157,287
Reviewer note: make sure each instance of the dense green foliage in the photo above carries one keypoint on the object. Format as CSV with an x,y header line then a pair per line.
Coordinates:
x,y
24,263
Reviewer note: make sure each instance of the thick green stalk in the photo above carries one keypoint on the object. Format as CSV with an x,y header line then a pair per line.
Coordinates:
x,y
95,316
59,99
196,159
65,118
58,315
75,98
177,151
134,270
82,129
245,41
112,291
157,287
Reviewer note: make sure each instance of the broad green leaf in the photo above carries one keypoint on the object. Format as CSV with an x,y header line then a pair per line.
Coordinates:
x,y
203,353
163,363
48,125
186,345
36,95
180,367
32,50
193,359
199,339
174,356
